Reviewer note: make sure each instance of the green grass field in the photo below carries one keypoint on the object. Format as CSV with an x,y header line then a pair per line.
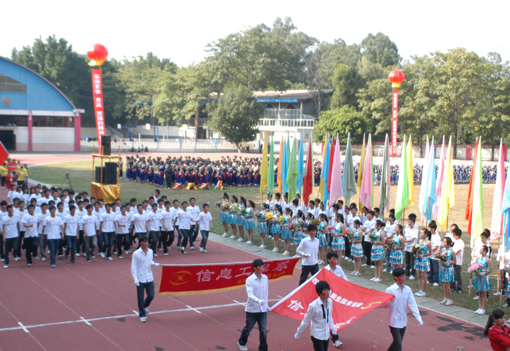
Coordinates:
x,y
80,174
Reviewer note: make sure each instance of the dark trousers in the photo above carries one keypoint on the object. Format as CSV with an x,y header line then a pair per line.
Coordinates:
x,y
71,245
410,264
320,345
10,244
153,239
367,251
179,235
185,237
1,246
90,245
107,240
347,247
398,337
387,254
42,244
457,284
168,238
433,273
3,182
143,304
305,270
17,253
80,244
261,319
122,242
31,244
53,245
205,236
193,234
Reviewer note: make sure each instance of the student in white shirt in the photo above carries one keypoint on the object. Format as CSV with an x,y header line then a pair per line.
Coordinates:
x,y
141,263
205,223
10,232
320,314
122,226
43,239
107,232
80,212
368,228
90,227
167,233
269,200
411,235
29,221
309,249
195,210
256,307
53,228
397,316
140,226
333,266
185,219
71,230
153,221
458,248
435,242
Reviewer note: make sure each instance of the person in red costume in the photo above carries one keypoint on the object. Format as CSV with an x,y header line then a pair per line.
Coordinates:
x,y
10,180
498,332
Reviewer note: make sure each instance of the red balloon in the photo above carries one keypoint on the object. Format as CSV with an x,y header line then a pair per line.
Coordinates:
x,y
98,55
396,77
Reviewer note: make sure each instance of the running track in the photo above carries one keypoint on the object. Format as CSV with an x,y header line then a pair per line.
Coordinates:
x,y
92,306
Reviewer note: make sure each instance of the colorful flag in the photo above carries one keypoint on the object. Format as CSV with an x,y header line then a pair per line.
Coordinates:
x,y
497,204
4,155
336,191
366,190
321,179
270,169
477,214
506,215
292,172
279,177
301,158
325,174
430,192
263,167
331,158
285,187
439,180
350,301
308,185
469,205
424,182
402,188
410,173
384,194
447,192
360,171
348,180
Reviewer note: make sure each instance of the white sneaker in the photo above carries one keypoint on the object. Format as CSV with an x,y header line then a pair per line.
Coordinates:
x,y
364,265
166,254
337,344
478,310
192,247
444,301
146,311
121,256
372,266
232,237
497,293
143,319
412,277
43,259
358,274
77,255
385,270
276,250
286,253
378,280
505,305
201,250
449,303
372,279
204,251
321,262
249,242
155,255
129,251
475,298
353,272
242,347
262,246
225,235
240,239
481,312
435,284
110,259
6,266
102,254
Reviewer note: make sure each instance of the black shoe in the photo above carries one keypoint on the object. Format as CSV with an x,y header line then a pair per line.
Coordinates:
x,y
73,262
183,252
66,257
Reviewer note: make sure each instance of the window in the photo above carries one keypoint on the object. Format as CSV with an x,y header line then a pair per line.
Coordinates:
x,y
10,85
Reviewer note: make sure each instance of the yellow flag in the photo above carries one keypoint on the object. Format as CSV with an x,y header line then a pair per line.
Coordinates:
x,y
321,184
360,173
263,167
410,173
279,177
448,193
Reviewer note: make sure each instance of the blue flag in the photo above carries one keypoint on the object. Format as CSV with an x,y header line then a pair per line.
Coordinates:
x,y
285,187
301,170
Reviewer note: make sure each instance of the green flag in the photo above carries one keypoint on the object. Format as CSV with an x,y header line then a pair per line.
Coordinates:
x,y
293,173
270,169
403,188
348,180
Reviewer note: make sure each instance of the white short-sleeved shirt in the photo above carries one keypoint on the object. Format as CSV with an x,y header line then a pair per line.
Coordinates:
x,y
410,234
140,222
108,222
184,219
53,227
40,221
459,245
205,220
168,217
80,215
154,220
435,241
30,232
195,210
20,215
90,224
11,226
176,211
367,226
123,220
72,224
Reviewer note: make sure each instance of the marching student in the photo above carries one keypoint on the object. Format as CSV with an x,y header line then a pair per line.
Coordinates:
x,y
309,249
411,235
43,238
320,314
167,234
397,316
140,226
195,210
90,228
205,223
153,222
31,238
10,232
333,266
71,230
55,231
141,263
122,226
185,219
107,232
3,213
256,308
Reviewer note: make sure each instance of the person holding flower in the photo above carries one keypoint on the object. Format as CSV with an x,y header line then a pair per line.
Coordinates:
x,y
422,261
262,225
298,233
249,224
338,242
377,254
447,273
322,230
240,219
482,282
357,248
398,239
232,217
276,228
224,213
287,230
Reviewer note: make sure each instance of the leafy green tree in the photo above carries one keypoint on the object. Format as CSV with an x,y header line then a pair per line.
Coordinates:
x,y
380,49
346,83
236,115
341,121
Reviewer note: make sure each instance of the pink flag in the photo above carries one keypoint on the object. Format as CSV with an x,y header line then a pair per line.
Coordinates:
x,y
497,205
336,176
439,183
367,181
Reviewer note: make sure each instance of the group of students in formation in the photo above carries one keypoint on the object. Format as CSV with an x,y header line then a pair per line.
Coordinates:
x,y
40,220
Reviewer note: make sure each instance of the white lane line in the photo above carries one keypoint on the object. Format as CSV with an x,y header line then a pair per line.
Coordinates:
x,y
23,327
242,304
136,312
86,321
194,309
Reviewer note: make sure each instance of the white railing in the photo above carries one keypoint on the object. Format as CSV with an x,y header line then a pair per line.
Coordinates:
x,y
171,143
287,123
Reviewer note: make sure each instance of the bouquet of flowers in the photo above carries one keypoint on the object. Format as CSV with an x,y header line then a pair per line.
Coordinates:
x,y
389,244
441,256
331,229
416,248
475,268
225,206
242,212
218,203
234,209
258,215
350,234
373,237
300,223
291,226
315,221
269,216
281,219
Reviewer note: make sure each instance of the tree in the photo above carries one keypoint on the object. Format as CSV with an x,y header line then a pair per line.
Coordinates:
x,y
380,49
341,121
236,115
346,83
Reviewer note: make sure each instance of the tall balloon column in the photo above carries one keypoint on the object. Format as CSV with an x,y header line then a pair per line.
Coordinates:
x,y
396,77
97,57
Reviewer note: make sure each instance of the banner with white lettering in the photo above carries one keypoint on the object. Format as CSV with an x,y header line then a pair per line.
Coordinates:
x,y
97,93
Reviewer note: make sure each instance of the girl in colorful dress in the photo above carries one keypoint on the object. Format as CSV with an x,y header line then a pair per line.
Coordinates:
x,y
240,220
447,273
276,228
322,230
262,226
286,232
232,216
357,249
422,260
396,257
338,242
249,224
224,214
482,282
298,234
377,254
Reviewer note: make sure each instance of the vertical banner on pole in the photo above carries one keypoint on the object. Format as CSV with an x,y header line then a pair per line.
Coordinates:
x,y
97,93
29,125
77,132
394,124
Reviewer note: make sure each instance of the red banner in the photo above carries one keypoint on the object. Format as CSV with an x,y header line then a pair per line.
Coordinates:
x,y
350,301
97,93
209,278
394,124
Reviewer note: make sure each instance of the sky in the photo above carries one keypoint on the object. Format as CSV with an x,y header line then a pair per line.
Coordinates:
x,y
180,30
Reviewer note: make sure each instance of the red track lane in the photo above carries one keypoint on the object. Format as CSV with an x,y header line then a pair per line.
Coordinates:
x,y
105,290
